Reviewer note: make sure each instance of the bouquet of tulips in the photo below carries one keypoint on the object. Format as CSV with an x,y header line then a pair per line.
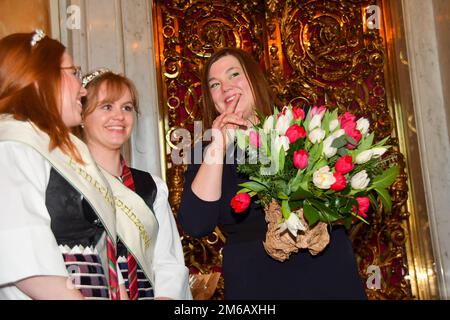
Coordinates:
x,y
311,171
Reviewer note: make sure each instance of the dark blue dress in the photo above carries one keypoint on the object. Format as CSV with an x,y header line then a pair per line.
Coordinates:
x,y
249,272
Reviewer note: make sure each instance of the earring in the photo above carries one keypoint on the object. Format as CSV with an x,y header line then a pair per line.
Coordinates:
x,y
82,125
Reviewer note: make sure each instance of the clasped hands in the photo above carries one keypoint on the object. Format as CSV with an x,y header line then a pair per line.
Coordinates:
x,y
224,126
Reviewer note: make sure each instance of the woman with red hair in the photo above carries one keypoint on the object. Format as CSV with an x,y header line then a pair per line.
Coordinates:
x,y
57,230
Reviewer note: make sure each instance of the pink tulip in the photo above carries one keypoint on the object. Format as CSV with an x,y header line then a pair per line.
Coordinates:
x,y
300,159
255,139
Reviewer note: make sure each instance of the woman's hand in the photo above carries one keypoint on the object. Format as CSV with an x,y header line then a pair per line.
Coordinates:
x,y
49,288
223,128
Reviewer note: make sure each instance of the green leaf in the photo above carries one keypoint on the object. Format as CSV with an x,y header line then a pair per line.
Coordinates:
x,y
366,143
339,142
326,123
241,139
295,205
350,140
326,214
348,222
311,214
313,155
381,143
319,164
244,190
386,179
373,201
250,192
281,160
385,199
361,218
285,209
254,186
300,194
275,112
264,145
342,152
306,123
281,186
334,115
349,206
294,184
282,196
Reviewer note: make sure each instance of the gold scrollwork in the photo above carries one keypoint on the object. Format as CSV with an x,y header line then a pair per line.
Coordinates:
x,y
172,68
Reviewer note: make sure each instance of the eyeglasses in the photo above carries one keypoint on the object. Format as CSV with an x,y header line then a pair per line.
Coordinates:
x,y
77,71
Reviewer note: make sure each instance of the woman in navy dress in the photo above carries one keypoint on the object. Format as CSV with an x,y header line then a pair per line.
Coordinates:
x,y
234,87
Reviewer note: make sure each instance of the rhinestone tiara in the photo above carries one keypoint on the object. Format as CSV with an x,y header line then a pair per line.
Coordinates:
x,y
37,36
92,75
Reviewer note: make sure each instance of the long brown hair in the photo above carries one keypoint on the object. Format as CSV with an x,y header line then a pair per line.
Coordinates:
x,y
262,93
30,86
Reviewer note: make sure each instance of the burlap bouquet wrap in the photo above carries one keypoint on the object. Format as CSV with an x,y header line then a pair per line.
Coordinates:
x,y
281,245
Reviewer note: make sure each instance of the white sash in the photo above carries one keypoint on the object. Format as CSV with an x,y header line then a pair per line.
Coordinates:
x,y
87,178
136,224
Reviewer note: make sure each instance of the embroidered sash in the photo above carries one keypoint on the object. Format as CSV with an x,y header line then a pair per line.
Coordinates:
x,y
136,224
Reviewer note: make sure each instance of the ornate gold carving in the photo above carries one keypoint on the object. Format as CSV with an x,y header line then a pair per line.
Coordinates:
x,y
314,52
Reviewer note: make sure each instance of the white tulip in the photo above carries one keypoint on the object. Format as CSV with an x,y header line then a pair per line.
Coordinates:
x,y
364,156
280,142
334,124
293,224
362,124
284,122
378,151
288,113
323,178
268,124
242,139
360,180
317,135
315,122
328,150
338,133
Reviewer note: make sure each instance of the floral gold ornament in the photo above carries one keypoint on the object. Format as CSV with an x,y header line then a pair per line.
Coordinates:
x,y
37,36
310,172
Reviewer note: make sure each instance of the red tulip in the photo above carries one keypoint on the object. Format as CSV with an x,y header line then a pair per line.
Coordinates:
x,y
344,164
240,202
364,204
298,113
340,183
346,118
295,132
